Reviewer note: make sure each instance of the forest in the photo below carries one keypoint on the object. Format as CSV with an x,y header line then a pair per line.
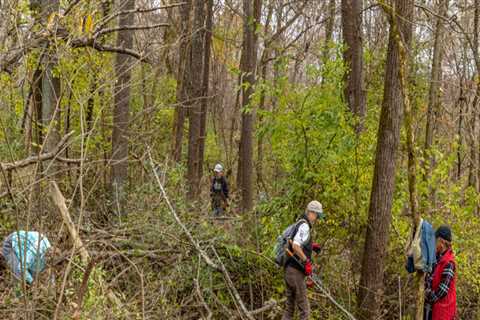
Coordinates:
x,y
115,116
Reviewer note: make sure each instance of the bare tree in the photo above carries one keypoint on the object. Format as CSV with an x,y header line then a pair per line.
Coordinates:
x,y
353,56
251,11
180,111
205,84
120,134
194,93
434,91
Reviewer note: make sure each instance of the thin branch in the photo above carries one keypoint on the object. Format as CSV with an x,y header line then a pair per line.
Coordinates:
x,y
136,10
70,7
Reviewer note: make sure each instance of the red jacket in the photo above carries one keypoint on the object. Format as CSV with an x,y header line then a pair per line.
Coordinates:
x,y
445,308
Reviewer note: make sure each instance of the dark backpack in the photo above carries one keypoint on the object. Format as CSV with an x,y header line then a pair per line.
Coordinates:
x,y
279,252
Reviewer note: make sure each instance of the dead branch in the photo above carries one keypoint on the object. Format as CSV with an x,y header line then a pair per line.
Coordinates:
x,y
83,289
59,201
42,157
91,42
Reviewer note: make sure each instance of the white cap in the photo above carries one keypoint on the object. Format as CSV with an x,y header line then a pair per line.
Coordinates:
x,y
218,168
316,207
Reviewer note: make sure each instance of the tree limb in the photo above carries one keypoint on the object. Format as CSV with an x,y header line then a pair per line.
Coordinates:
x,y
91,42
42,157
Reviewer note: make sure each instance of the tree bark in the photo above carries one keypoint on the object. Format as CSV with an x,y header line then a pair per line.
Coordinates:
x,y
353,57
251,17
120,133
180,111
194,92
205,83
383,184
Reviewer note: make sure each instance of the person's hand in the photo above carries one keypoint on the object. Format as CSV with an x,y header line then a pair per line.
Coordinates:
x,y
316,248
309,283
308,267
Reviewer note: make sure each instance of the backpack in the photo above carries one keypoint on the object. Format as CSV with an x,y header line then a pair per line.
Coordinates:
x,y
421,249
279,253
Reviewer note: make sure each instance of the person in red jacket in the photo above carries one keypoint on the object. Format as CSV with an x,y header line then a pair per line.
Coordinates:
x,y
440,291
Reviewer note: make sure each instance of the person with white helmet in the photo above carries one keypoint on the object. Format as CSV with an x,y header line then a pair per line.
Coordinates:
x,y
219,191
299,266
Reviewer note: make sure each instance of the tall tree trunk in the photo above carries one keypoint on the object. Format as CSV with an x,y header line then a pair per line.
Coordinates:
x,y
251,10
353,57
120,133
472,175
46,91
383,184
194,92
205,83
264,63
329,29
184,54
434,96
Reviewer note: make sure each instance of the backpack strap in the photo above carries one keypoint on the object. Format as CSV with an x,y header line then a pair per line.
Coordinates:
x,y
297,226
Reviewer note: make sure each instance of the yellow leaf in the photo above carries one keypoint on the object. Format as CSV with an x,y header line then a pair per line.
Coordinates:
x,y
88,24
51,21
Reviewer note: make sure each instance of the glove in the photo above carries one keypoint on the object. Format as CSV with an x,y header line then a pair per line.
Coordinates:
x,y
316,248
310,283
308,267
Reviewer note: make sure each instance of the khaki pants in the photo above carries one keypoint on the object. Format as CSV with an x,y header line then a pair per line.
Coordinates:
x,y
296,294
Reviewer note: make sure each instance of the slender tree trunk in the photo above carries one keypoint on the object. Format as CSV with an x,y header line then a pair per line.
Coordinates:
x,y
206,79
264,61
50,107
120,133
332,6
383,184
184,54
434,97
251,10
461,103
37,109
472,175
194,91
353,57
91,104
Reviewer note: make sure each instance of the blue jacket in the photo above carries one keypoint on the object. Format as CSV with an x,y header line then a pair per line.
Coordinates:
x,y
29,248
428,245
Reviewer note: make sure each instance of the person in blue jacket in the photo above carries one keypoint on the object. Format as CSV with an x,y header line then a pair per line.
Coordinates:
x,y
25,253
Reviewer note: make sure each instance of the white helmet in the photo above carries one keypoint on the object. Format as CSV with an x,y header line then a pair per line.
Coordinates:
x,y
218,168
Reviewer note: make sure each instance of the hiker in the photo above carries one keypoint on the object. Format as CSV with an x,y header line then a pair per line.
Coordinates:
x,y
440,291
219,191
298,267
25,253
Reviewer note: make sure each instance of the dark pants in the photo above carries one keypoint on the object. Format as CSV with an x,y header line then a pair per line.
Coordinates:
x,y
296,294
218,204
